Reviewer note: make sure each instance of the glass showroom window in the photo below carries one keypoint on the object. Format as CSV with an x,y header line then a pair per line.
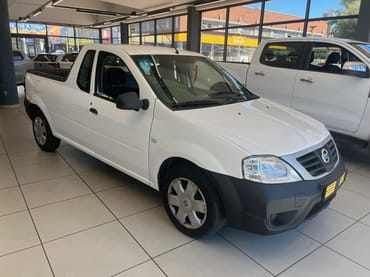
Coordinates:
x,y
337,8
340,28
213,44
214,19
61,39
213,34
106,35
283,30
241,44
134,33
243,31
116,35
164,40
164,25
180,31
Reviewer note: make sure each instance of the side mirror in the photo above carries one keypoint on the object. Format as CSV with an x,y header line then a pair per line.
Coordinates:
x,y
357,69
131,101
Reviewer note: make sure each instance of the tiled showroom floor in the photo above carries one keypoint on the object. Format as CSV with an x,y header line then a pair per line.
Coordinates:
x,y
67,214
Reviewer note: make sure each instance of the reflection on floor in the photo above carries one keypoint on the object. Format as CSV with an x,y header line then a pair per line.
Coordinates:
x,y
67,214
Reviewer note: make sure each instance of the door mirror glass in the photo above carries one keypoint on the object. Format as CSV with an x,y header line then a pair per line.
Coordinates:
x,y
131,101
356,68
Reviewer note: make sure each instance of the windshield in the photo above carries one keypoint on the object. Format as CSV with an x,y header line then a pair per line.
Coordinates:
x,y
363,47
185,82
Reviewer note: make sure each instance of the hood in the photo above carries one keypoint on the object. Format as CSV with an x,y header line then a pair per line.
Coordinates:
x,y
259,127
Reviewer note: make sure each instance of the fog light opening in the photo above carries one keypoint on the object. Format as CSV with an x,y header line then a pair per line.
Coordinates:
x,y
281,219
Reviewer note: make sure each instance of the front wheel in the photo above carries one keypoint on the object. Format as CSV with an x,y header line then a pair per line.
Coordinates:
x,y
43,135
191,202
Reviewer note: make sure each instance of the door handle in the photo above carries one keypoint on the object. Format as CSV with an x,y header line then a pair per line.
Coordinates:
x,y
93,110
307,80
260,73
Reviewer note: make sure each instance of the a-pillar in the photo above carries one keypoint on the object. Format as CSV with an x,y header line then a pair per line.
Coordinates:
x,y
8,87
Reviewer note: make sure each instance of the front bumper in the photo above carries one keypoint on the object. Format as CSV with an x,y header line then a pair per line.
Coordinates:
x,y
273,208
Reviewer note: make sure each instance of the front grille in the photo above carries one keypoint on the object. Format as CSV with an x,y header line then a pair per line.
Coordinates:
x,y
314,162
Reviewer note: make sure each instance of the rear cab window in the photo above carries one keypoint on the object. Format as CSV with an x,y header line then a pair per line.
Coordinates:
x,y
283,54
84,74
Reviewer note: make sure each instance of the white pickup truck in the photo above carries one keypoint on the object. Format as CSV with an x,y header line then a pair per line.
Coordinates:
x,y
327,79
182,125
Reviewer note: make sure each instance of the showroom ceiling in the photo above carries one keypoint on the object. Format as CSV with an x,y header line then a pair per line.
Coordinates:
x,y
96,12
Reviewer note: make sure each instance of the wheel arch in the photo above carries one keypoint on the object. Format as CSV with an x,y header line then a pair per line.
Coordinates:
x,y
179,161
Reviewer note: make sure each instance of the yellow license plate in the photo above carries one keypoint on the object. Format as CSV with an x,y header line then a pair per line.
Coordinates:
x,y
330,189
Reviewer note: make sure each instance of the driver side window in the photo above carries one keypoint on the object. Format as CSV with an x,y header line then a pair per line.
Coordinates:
x,y
113,77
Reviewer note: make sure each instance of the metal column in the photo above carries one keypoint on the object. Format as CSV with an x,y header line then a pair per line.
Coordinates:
x,y
8,87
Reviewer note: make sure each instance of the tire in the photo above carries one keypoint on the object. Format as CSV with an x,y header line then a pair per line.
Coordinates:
x,y
43,135
184,185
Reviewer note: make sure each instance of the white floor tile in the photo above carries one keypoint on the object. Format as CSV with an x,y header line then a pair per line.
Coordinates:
x,y
101,251
358,183
40,172
363,171
130,199
63,218
23,145
276,252
143,270
11,201
351,204
30,262
210,256
105,178
154,230
325,225
46,192
79,160
324,262
366,220
17,232
7,178
32,158
354,243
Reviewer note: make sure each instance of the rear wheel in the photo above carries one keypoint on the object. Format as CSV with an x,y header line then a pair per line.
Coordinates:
x,y
43,135
191,201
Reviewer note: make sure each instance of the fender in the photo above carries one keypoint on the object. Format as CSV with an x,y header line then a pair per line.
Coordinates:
x,y
36,100
193,153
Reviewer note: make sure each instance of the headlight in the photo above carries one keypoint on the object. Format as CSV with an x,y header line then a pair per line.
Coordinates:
x,y
269,169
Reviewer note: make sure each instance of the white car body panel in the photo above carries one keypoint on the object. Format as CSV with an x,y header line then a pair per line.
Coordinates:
x,y
339,101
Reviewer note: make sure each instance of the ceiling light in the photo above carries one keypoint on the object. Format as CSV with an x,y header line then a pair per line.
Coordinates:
x,y
26,19
37,13
57,2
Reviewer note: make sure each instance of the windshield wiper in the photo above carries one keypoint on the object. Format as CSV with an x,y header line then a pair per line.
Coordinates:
x,y
197,104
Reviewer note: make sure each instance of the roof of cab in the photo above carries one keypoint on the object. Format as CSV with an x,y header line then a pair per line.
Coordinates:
x,y
343,40
144,49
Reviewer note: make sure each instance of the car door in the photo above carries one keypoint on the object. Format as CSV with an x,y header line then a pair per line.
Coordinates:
x,y
333,88
273,76
68,102
121,137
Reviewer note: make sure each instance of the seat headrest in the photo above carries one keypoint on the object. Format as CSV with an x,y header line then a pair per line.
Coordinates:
x,y
116,76
333,58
